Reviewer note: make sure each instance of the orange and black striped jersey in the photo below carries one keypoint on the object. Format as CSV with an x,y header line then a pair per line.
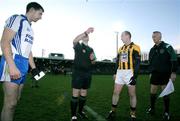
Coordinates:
x,y
129,57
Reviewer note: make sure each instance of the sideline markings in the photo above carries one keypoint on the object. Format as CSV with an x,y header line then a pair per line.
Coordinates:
x,y
60,100
94,114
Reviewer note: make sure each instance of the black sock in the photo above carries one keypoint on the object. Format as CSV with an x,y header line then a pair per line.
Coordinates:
x,y
153,100
133,109
166,103
113,107
82,101
74,104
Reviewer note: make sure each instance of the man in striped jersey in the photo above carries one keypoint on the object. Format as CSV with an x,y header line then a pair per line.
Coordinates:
x,y
128,61
16,44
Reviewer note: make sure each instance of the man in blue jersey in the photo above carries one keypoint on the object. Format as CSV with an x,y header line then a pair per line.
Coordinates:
x,y
16,44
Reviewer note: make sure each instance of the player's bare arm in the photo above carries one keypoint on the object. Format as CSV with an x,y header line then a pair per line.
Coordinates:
x,y
7,36
31,61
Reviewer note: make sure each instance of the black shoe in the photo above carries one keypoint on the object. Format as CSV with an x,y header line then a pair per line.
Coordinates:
x,y
111,115
166,116
132,116
74,118
37,86
150,111
132,119
83,115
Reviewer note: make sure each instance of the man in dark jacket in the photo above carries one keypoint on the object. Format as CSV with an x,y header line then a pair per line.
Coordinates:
x,y
163,66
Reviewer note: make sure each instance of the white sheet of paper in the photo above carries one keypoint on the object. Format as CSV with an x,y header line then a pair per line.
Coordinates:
x,y
168,89
41,74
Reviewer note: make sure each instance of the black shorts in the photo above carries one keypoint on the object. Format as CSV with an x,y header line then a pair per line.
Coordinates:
x,y
81,80
160,78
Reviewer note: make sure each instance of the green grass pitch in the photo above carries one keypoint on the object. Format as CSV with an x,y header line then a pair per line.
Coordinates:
x,y
51,101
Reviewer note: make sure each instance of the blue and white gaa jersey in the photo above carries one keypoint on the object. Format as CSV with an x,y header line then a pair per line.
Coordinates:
x,y
23,40
21,46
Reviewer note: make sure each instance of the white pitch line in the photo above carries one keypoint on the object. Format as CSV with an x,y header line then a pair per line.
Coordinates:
x,y
94,114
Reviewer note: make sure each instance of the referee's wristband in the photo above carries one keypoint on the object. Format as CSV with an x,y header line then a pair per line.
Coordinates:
x,y
85,34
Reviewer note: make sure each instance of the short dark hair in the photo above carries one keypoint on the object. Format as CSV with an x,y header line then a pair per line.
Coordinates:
x,y
157,32
154,32
34,5
127,33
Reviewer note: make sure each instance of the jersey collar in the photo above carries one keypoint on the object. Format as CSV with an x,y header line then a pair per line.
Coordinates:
x,y
129,44
161,43
25,17
84,44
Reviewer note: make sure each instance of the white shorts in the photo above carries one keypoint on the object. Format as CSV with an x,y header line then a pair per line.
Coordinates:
x,y
4,72
123,77
20,62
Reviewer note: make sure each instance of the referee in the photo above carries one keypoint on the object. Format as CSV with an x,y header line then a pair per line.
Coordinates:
x,y
163,66
128,61
81,76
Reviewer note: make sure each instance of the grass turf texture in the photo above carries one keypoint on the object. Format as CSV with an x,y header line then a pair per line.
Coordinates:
x,y
51,101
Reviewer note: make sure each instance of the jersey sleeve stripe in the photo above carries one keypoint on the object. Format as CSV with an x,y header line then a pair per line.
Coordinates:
x,y
9,22
12,19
